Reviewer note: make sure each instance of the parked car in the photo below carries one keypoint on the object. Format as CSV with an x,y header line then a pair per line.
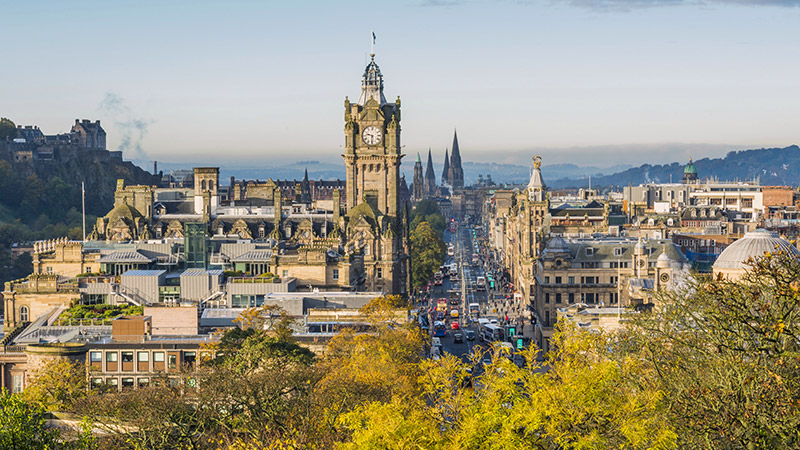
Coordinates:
x,y
458,338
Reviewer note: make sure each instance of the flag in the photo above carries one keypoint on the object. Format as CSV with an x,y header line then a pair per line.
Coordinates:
x,y
373,37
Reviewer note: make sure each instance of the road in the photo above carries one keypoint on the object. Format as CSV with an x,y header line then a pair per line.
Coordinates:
x,y
465,287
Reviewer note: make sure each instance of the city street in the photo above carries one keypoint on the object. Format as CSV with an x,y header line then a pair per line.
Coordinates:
x,y
493,304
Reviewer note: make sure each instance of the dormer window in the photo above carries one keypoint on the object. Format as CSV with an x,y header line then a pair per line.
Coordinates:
x,y
589,251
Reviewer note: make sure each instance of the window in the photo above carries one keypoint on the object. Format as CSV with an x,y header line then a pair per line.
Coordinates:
x,y
546,280
571,298
558,298
143,357
547,298
112,381
96,383
127,357
189,358
158,356
335,274
747,203
95,357
172,361
618,251
144,382
571,280
547,318
127,383
558,280
379,273
23,314
589,251
285,273
16,384
111,357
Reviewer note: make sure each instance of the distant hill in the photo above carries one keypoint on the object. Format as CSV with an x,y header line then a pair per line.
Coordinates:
x,y
771,166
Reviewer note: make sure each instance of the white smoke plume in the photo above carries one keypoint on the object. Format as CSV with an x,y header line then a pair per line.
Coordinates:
x,y
132,129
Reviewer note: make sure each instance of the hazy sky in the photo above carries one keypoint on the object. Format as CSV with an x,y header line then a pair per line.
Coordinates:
x,y
582,81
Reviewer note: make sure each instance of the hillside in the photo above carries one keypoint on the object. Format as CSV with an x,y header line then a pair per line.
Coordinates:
x,y
771,166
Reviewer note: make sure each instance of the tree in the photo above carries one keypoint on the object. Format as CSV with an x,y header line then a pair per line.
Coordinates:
x,y
56,385
726,355
23,427
428,251
7,129
583,401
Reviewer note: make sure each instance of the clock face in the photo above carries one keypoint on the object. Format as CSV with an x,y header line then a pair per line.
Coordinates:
x,y
371,135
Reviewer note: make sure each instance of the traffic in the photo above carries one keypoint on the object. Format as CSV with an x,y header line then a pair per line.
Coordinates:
x,y
462,301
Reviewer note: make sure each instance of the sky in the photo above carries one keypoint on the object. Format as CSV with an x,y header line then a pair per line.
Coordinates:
x,y
597,82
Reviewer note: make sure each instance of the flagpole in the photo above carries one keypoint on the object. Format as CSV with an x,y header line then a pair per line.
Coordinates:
x,y
372,44
83,209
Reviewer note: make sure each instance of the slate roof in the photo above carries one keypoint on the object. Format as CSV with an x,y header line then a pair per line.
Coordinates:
x,y
126,257
254,256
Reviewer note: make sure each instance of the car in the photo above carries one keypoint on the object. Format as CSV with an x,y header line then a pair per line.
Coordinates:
x,y
440,315
455,326
470,335
458,338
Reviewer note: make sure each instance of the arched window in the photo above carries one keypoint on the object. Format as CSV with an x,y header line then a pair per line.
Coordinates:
x,y
203,185
23,314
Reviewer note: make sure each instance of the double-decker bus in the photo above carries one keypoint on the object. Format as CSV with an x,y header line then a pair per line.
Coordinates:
x,y
474,309
439,329
492,333
441,304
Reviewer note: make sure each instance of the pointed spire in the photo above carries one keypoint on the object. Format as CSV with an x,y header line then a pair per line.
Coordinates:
x,y
456,173
305,177
446,170
419,160
430,177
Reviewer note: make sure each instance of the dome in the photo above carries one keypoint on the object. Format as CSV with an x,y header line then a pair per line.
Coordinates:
x,y
556,245
690,168
123,211
753,245
663,260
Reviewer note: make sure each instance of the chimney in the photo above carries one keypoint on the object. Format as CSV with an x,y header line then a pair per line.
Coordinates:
x,y
97,122
155,166
77,121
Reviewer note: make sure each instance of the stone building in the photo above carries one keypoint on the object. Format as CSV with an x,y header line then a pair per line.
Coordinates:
x,y
88,134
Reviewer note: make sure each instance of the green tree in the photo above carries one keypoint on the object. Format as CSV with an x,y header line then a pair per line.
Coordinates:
x,y
727,356
7,128
23,427
428,252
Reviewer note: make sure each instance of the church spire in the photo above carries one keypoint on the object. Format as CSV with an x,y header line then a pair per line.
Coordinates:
x,y
456,174
430,177
446,170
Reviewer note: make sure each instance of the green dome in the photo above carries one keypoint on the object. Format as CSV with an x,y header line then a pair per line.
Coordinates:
x,y
690,168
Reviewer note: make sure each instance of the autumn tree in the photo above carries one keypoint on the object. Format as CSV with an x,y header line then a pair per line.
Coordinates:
x,y
56,385
23,426
581,401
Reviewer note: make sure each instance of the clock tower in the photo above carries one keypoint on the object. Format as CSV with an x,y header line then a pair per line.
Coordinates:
x,y
375,225
372,146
